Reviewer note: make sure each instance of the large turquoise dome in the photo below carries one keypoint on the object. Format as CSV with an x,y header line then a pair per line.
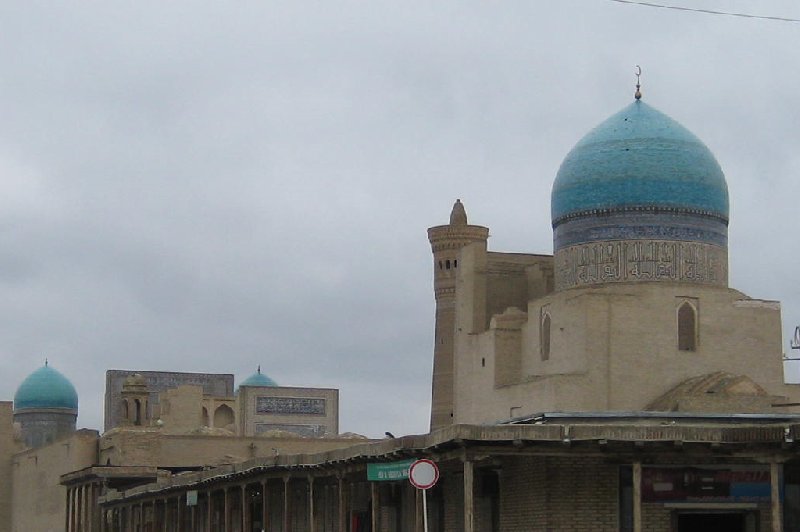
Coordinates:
x,y
639,160
45,388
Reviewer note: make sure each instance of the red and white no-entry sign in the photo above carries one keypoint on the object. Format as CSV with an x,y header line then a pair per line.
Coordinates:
x,y
423,474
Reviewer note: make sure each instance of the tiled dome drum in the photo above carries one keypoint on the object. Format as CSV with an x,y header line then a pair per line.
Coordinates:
x,y
640,198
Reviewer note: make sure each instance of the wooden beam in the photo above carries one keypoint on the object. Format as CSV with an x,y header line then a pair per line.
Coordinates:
x,y
264,505
287,506
342,506
637,496
311,527
375,495
469,496
775,474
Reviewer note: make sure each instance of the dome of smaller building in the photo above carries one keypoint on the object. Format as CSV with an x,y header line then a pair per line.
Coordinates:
x,y
45,388
258,379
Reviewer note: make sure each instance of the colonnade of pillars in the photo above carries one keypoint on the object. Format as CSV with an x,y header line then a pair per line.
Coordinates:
x,y
83,512
232,508
249,506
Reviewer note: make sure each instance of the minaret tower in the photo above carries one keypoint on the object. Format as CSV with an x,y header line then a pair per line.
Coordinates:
x,y
446,242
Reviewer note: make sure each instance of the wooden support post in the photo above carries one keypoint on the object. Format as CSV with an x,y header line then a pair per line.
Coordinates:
x,y
209,512
226,518
375,496
637,496
67,525
178,514
102,518
245,501
775,475
287,506
79,508
311,527
342,506
469,496
264,506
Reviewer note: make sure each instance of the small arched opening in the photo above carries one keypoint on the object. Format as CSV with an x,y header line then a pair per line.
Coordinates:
x,y
545,337
223,416
687,327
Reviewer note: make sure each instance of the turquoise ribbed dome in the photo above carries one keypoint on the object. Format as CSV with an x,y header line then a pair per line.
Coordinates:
x,y
45,388
258,379
639,159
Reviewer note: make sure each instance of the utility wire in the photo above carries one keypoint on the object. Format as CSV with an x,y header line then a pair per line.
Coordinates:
x,y
706,11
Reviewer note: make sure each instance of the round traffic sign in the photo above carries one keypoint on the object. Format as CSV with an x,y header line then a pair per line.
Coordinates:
x,y
423,474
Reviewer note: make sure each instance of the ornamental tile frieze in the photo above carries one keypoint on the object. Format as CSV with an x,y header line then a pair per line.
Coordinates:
x,y
640,260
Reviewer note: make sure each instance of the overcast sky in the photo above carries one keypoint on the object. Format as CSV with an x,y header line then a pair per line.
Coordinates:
x,y
209,186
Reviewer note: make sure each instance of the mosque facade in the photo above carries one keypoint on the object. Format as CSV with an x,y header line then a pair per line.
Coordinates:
x,y
632,312
617,384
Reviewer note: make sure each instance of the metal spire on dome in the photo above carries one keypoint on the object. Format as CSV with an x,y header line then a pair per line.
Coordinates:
x,y
45,362
259,368
638,93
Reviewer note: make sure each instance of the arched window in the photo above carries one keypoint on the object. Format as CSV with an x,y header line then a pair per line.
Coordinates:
x,y
687,327
447,264
545,337
206,422
137,419
223,416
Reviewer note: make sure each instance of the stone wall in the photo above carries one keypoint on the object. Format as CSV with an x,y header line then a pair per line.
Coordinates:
x,y
611,348
310,412
8,446
39,500
151,447
157,382
554,494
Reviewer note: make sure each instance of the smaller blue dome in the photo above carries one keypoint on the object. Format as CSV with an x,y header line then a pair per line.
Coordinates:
x,y
258,379
45,388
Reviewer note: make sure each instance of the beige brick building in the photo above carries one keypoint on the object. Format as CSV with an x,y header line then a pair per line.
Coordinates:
x,y
157,424
618,384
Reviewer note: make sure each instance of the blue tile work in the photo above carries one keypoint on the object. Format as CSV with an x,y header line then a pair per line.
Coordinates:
x,y
640,261
45,388
638,225
639,159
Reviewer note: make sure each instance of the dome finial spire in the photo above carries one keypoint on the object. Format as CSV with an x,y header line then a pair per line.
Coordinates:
x,y
638,93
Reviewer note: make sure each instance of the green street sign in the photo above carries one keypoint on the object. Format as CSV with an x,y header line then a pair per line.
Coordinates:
x,y
385,471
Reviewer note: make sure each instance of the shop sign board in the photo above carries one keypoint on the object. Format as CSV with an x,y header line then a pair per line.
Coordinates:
x,y
387,471
735,484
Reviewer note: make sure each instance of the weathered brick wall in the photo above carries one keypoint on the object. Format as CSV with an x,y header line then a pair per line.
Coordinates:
x,y
558,493
453,486
8,446
656,518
